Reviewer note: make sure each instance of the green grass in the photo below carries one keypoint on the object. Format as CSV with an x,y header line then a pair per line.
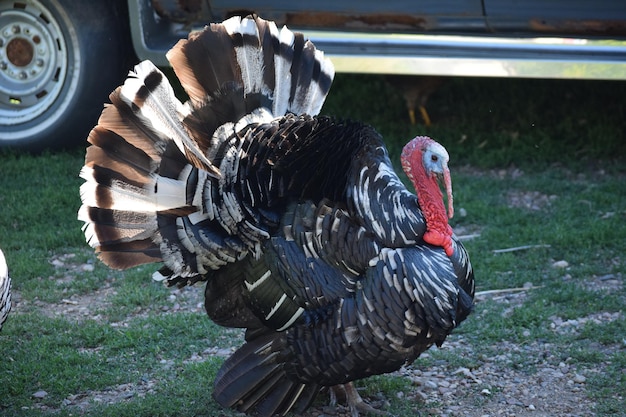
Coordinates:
x,y
506,137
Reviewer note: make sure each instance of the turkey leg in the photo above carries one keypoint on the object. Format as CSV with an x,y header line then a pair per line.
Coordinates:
x,y
354,400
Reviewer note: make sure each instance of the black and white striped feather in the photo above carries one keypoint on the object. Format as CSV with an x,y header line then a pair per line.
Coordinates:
x,y
5,290
298,223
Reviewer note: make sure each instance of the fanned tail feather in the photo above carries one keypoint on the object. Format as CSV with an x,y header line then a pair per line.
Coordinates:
x,y
253,379
147,194
147,92
277,70
280,65
126,183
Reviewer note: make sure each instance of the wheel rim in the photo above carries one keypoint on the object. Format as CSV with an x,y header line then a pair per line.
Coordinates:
x,y
33,61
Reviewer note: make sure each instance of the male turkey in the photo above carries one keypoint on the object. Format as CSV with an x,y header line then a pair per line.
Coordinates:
x,y
5,290
303,232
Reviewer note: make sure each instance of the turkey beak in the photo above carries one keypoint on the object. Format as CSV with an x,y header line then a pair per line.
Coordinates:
x,y
447,184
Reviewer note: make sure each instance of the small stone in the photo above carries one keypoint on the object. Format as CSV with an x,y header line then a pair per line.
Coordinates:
x,y
513,401
579,379
560,264
431,384
40,394
485,392
531,407
87,267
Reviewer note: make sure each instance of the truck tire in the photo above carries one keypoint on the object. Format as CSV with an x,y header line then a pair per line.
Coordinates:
x,y
59,60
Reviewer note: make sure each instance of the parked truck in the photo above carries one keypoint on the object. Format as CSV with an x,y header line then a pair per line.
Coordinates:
x,y
59,59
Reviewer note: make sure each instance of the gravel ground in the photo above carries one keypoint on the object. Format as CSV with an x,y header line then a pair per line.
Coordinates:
x,y
546,386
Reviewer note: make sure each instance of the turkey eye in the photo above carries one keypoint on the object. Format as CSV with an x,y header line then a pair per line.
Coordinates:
x,y
434,158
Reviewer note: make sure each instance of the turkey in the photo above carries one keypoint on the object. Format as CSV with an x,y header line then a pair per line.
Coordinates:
x,y
5,290
416,91
298,224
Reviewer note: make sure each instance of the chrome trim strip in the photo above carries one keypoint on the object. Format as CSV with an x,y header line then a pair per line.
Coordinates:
x,y
485,56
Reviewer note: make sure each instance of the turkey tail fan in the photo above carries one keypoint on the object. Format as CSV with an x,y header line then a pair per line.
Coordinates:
x,y
5,290
152,158
275,70
253,380
137,166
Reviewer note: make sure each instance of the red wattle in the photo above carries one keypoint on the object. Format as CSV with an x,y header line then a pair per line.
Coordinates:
x,y
436,238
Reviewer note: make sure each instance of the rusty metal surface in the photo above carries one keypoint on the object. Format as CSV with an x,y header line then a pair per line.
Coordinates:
x,y
20,52
375,22
579,27
390,15
557,17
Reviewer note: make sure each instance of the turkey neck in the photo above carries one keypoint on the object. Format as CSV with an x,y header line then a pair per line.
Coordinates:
x,y
430,199
379,199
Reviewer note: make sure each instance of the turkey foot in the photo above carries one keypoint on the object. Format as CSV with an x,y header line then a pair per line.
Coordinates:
x,y
354,400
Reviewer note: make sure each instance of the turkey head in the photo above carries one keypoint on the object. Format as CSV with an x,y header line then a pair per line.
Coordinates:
x,y
425,162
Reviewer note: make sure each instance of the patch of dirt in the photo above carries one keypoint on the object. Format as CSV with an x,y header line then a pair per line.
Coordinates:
x,y
75,307
496,388
574,326
112,395
551,387
529,200
508,173
79,307
608,282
